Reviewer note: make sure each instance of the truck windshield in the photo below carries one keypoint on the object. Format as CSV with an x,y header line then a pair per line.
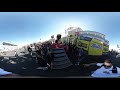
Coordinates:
x,y
85,38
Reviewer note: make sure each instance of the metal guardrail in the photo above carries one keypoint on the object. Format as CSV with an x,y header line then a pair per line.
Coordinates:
x,y
60,51
60,59
61,66
59,55
61,62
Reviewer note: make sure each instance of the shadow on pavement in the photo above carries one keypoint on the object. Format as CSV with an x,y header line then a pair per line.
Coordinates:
x,y
26,66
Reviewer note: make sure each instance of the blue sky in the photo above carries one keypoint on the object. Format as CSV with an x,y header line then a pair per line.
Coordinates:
x,y
26,27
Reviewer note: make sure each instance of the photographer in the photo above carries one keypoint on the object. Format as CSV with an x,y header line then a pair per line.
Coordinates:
x,y
105,69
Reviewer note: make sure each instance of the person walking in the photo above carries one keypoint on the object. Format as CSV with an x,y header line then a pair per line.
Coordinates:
x,y
16,55
30,51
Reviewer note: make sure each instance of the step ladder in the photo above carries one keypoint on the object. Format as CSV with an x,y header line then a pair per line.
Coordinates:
x,y
60,59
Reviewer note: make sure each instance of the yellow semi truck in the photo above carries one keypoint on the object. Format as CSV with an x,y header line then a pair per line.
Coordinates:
x,y
91,46
90,42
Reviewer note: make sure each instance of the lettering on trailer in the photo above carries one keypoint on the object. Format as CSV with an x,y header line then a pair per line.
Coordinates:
x,y
92,33
97,39
96,46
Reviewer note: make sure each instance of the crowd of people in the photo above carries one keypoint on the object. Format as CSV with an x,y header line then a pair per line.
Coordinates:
x,y
43,52
44,57
113,52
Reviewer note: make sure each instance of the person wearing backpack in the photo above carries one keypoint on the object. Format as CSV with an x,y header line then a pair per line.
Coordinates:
x,y
105,69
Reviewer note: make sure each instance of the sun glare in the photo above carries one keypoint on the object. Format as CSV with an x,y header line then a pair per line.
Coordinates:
x,y
65,25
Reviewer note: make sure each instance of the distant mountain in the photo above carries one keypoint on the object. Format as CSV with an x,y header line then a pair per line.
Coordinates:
x,y
4,43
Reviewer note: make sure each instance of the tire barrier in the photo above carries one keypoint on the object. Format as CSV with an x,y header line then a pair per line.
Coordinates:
x,y
60,59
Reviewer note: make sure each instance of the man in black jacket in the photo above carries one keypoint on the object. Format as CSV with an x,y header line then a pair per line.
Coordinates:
x,y
30,50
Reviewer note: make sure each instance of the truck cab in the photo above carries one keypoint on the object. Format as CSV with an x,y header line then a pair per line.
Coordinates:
x,y
90,45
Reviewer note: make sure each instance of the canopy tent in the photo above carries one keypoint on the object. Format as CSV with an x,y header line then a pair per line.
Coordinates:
x,y
7,47
4,43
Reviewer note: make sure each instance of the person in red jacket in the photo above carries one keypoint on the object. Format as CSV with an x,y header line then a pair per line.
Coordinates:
x,y
58,45
55,45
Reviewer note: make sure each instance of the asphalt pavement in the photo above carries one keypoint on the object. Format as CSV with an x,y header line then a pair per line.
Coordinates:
x,y
25,66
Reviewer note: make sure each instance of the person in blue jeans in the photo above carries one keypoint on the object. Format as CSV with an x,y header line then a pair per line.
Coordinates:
x,y
80,55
